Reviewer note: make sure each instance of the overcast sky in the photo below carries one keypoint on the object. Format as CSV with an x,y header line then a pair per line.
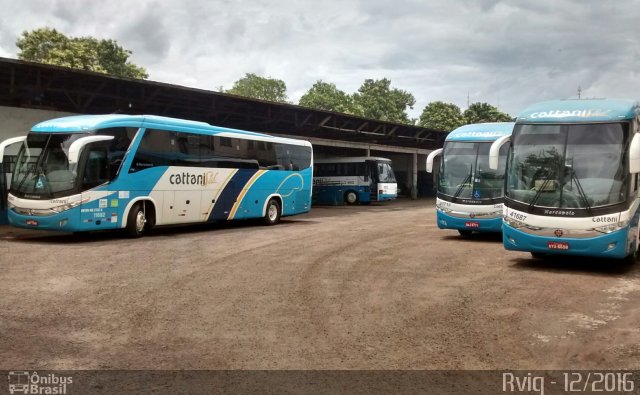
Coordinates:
x,y
507,53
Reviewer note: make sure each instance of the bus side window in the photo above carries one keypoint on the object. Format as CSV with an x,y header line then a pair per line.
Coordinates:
x,y
157,148
96,169
363,171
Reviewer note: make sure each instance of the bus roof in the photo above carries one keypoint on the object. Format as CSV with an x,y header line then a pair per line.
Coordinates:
x,y
351,159
489,131
79,123
579,110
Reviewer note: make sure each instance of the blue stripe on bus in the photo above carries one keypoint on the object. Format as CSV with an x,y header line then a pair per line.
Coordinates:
x,y
229,194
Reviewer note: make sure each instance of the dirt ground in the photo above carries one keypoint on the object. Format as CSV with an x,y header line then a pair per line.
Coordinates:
x,y
371,287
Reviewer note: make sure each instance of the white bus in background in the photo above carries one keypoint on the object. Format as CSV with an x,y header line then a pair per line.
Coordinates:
x,y
352,180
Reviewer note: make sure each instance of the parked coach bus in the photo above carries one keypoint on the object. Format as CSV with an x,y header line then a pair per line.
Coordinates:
x,y
99,172
572,179
353,180
470,193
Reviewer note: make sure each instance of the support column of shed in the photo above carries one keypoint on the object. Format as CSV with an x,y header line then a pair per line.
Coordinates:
x,y
414,177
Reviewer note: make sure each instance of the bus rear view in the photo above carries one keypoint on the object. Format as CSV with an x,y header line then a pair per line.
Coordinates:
x,y
470,193
572,179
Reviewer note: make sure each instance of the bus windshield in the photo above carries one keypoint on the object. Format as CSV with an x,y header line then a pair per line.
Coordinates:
x,y
465,171
568,166
43,170
42,166
385,172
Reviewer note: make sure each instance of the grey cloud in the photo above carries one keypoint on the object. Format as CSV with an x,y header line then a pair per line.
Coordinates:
x,y
511,53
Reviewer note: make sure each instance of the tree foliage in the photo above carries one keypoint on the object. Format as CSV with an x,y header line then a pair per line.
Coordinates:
x,y
326,96
441,116
485,112
263,88
49,46
379,101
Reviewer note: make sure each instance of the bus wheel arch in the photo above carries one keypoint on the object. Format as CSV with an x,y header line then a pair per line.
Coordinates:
x,y
351,197
273,210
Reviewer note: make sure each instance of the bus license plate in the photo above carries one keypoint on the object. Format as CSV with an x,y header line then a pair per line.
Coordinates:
x,y
472,224
32,222
558,245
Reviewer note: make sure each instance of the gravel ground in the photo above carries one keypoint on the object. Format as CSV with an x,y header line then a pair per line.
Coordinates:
x,y
371,287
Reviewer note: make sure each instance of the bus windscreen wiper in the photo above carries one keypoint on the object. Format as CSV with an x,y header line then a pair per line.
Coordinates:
x,y
583,195
31,170
539,191
461,187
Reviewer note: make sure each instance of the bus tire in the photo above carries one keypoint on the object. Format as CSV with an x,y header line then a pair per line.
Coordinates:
x,y
272,213
633,257
351,197
465,233
136,221
538,255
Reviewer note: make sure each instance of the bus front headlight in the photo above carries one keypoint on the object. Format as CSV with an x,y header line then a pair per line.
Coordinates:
x,y
514,223
611,227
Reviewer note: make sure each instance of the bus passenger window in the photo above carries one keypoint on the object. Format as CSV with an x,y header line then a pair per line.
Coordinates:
x,y
157,148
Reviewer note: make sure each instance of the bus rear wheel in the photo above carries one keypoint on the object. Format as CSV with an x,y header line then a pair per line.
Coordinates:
x,y
351,197
272,213
136,221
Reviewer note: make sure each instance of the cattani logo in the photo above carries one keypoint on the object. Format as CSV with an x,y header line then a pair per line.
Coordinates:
x,y
23,382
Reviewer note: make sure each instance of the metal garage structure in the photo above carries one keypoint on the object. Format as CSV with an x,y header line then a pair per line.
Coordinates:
x,y
42,90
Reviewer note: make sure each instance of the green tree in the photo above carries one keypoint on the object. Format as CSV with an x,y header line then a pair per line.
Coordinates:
x,y
484,112
326,96
263,88
46,45
379,101
441,116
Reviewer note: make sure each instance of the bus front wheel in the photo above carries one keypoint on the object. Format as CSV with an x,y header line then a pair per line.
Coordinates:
x,y
272,214
465,233
635,255
351,197
136,221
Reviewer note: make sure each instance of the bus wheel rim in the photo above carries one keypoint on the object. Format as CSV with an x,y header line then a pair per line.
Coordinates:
x,y
273,212
351,197
140,221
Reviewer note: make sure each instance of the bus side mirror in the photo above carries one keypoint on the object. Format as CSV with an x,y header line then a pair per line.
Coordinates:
x,y
494,151
430,159
9,142
634,154
76,147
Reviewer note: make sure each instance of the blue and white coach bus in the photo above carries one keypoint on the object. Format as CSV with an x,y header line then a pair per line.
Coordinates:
x,y
572,179
362,179
99,172
470,193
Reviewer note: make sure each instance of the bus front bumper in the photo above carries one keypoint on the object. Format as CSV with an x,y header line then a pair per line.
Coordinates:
x,y
472,224
386,196
63,221
611,245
